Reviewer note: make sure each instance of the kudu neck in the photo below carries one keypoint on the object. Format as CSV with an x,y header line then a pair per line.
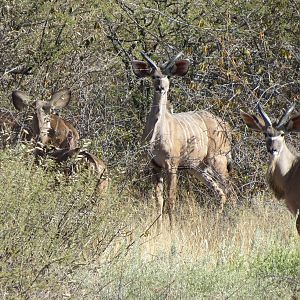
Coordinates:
x,y
284,160
157,116
44,126
160,103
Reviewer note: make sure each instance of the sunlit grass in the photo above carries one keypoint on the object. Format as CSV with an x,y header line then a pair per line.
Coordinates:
x,y
60,240
210,257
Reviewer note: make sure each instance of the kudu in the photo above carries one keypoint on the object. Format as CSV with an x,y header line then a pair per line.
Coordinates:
x,y
284,166
46,127
196,140
56,137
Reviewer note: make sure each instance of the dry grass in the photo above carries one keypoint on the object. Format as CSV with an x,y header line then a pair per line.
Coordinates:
x,y
63,242
250,253
237,232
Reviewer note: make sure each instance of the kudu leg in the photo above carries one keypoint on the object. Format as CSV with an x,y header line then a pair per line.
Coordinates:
x,y
208,176
158,182
221,166
298,222
172,191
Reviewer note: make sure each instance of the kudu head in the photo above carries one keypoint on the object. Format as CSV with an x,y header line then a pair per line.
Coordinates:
x,y
160,75
274,132
44,121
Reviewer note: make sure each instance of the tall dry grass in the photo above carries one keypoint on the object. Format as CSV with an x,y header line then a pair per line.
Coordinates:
x,y
248,253
237,232
61,241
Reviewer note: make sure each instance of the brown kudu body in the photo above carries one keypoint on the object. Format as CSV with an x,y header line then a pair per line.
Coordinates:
x,y
197,141
58,137
284,166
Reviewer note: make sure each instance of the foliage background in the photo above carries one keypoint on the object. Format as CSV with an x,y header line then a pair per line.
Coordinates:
x,y
241,53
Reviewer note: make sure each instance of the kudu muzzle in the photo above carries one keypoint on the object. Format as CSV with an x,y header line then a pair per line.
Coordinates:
x,y
274,144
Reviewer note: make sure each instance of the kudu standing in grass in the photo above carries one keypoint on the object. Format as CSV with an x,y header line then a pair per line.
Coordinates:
x,y
284,167
197,140
56,137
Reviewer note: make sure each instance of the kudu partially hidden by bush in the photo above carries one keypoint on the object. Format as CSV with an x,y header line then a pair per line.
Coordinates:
x,y
56,137
197,140
284,167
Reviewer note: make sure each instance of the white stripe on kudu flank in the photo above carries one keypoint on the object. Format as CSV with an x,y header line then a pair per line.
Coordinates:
x,y
182,126
190,121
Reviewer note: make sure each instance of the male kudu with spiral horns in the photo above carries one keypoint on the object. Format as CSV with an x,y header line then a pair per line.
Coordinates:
x,y
197,140
284,167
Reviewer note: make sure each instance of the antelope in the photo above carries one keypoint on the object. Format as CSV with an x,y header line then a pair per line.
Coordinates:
x,y
196,140
58,137
284,166
46,127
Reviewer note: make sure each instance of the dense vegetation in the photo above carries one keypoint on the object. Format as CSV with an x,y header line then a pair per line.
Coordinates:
x,y
62,240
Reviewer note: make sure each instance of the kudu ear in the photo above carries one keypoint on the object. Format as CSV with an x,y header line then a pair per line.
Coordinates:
x,y
180,67
293,124
19,100
61,98
252,121
141,69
